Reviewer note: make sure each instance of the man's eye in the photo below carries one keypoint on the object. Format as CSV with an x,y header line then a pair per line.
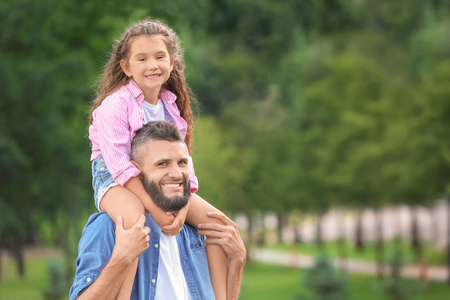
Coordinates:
x,y
162,164
183,163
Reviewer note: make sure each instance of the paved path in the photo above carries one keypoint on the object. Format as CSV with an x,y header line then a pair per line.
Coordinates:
x,y
434,273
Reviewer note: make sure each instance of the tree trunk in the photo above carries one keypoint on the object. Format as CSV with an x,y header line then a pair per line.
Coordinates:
x,y
2,248
297,230
341,246
261,240
281,222
1,260
17,252
398,247
250,237
415,235
448,238
319,238
359,241
379,244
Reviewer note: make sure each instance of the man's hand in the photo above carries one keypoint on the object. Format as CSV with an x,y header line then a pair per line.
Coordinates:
x,y
129,245
133,242
178,222
226,236
229,238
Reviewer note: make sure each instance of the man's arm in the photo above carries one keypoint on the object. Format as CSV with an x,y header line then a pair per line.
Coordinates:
x,y
229,238
129,245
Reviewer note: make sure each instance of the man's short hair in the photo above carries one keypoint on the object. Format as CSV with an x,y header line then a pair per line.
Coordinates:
x,y
155,130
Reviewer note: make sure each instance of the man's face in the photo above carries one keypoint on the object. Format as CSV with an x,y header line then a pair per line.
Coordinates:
x,y
166,175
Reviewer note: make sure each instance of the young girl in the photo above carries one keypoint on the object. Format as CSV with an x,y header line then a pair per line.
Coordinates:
x,y
144,81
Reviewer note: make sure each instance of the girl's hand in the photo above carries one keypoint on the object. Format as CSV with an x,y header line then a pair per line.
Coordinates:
x,y
178,222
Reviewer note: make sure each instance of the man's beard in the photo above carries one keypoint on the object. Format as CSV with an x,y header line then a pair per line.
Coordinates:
x,y
167,203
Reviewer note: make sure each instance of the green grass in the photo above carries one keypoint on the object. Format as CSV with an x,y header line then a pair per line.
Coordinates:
x,y
433,256
31,287
262,281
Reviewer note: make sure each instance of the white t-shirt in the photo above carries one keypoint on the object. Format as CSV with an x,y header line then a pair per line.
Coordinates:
x,y
153,112
171,283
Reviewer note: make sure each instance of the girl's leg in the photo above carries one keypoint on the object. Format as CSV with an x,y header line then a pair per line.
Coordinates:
x,y
120,201
217,258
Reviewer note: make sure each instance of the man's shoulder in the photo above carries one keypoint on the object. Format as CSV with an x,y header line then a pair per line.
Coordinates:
x,y
100,218
98,224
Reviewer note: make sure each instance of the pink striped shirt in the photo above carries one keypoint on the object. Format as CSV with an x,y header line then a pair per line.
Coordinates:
x,y
114,126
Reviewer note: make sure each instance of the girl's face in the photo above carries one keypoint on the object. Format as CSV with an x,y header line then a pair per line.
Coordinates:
x,y
149,64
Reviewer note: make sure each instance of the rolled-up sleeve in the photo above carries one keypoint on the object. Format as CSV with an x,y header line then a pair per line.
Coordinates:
x,y
192,177
115,136
94,251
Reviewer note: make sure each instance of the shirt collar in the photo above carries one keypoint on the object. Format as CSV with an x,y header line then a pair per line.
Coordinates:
x,y
167,96
136,92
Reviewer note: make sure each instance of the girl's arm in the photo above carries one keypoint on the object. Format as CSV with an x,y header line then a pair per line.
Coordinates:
x,y
228,237
217,258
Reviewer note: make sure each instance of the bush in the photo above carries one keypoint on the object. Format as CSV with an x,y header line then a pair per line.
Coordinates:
x,y
323,282
58,288
394,287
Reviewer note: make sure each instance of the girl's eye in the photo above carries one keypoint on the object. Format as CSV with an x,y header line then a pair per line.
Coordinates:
x,y
141,59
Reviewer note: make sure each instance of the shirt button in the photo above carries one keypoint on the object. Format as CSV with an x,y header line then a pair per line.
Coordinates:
x,y
156,245
153,280
102,168
88,279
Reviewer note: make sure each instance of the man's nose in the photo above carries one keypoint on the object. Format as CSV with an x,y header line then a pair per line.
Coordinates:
x,y
175,172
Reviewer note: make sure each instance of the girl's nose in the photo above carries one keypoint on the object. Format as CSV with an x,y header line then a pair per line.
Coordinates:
x,y
152,65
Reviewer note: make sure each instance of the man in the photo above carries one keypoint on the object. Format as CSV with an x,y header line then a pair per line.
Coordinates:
x,y
172,267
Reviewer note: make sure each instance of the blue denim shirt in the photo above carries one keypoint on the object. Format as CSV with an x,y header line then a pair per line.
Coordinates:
x,y
96,245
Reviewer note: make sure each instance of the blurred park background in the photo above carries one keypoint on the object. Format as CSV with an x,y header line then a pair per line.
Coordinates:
x,y
322,131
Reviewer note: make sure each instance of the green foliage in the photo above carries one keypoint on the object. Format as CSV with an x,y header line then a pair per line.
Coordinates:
x,y
58,285
323,282
393,286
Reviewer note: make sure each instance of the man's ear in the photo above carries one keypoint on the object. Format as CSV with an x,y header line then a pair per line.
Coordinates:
x,y
135,164
125,68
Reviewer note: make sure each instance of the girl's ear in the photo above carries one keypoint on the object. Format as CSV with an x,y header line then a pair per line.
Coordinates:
x,y
125,69
172,63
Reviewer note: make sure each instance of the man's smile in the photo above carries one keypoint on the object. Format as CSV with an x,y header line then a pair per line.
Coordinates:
x,y
172,185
